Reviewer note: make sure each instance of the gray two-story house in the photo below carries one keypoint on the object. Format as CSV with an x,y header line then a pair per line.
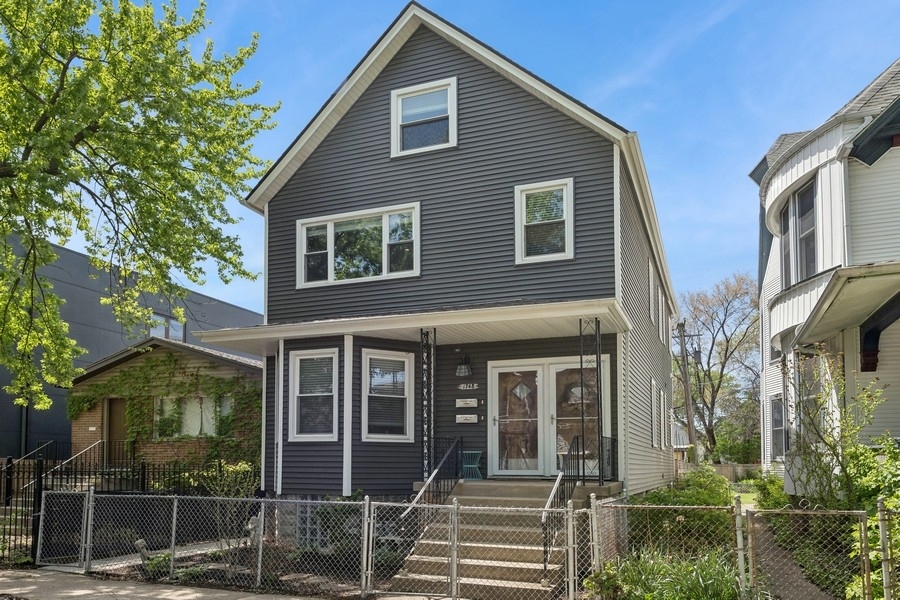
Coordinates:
x,y
457,249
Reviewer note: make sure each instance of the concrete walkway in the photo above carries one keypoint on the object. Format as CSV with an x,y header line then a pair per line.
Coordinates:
x,y
51,583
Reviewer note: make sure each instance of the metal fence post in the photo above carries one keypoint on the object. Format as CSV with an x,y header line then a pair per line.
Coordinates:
x,y
366,555
8,482
595,534
173,539
571,566
36,506
260,536
751,565
454,549
89,526
886,574
739,536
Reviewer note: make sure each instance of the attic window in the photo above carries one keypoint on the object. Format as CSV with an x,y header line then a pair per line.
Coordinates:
x,y
423,117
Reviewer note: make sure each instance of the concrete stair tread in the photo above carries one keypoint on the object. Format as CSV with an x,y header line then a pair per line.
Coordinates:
x,y
486,563
477,581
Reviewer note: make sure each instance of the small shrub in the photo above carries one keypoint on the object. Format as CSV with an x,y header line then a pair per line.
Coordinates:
x,y
158,566
770,492
684,531
700,487
657,576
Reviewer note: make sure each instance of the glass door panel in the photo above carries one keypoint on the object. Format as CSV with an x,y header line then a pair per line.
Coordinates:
x,y
518,421
574,395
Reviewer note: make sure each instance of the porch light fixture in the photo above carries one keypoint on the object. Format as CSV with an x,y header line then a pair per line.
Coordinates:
x,y
464,369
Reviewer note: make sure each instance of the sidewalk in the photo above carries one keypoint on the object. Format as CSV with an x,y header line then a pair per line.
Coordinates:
x,y
53,584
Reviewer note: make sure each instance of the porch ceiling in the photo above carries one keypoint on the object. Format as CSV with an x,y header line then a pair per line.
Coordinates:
x,y
852,296
474,325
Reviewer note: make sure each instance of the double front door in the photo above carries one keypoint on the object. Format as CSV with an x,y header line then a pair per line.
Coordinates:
x,y
536,411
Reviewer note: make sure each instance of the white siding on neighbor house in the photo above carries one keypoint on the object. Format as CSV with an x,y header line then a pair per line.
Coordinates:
x,y
830,216
887,415
770,374
874,210
806,160
795,304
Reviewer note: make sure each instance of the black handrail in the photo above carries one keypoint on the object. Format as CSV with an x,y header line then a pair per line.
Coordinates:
x,y
570,473
442,479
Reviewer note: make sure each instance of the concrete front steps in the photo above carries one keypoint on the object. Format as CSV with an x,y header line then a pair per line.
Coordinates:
x,y
501,554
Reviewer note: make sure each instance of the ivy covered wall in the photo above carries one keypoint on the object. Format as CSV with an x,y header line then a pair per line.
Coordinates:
x,y
178,406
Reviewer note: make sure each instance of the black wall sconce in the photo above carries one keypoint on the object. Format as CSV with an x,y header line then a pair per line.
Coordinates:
x,y
464,368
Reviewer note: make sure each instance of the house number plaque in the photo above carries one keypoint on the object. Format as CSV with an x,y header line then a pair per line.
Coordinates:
x,y
467,386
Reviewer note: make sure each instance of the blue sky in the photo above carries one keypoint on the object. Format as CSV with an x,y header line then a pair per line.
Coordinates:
x,y
707,86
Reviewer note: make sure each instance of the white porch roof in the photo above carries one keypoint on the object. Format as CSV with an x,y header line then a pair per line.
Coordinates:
x,y
851,296
457,326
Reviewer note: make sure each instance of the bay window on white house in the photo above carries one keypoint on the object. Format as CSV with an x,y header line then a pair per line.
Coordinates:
x,y
798,236
387,396
373,244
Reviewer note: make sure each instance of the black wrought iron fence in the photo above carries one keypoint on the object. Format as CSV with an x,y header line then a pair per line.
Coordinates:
x,y
25,481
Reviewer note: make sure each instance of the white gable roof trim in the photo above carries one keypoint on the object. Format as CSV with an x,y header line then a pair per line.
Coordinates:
x,y
377,59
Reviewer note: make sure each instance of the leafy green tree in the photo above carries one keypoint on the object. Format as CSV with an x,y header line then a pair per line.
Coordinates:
x,y
114,128
722,343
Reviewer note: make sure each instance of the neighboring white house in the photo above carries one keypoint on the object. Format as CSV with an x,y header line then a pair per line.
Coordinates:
x,y
830,256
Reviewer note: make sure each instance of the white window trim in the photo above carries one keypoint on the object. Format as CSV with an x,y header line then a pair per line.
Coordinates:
x,y
408,359
654,424
398,95
330,220
568,185
793,235
293,357
662,417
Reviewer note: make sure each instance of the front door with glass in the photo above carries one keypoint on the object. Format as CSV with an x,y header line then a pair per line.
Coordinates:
x,y
536,412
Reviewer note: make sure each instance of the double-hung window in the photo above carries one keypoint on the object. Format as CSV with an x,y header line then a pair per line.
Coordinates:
x,y
545,221
387,403
798,236
359,245
423,117
313,407
780,438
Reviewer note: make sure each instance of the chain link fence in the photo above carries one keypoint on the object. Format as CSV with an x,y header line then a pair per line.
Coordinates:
x,y
809,554
351,549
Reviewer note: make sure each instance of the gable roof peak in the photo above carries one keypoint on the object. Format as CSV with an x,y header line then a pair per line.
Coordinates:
x,y
376,59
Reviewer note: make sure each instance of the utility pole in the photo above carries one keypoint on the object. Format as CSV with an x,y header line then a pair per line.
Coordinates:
x,y
688,400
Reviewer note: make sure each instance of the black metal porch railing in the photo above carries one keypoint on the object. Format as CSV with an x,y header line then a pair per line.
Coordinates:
x,y
571,471
609,468
444,476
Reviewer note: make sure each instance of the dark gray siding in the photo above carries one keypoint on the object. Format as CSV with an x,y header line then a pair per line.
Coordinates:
x,y
270,414
380,468
475,436
648,358
506,138
314,468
